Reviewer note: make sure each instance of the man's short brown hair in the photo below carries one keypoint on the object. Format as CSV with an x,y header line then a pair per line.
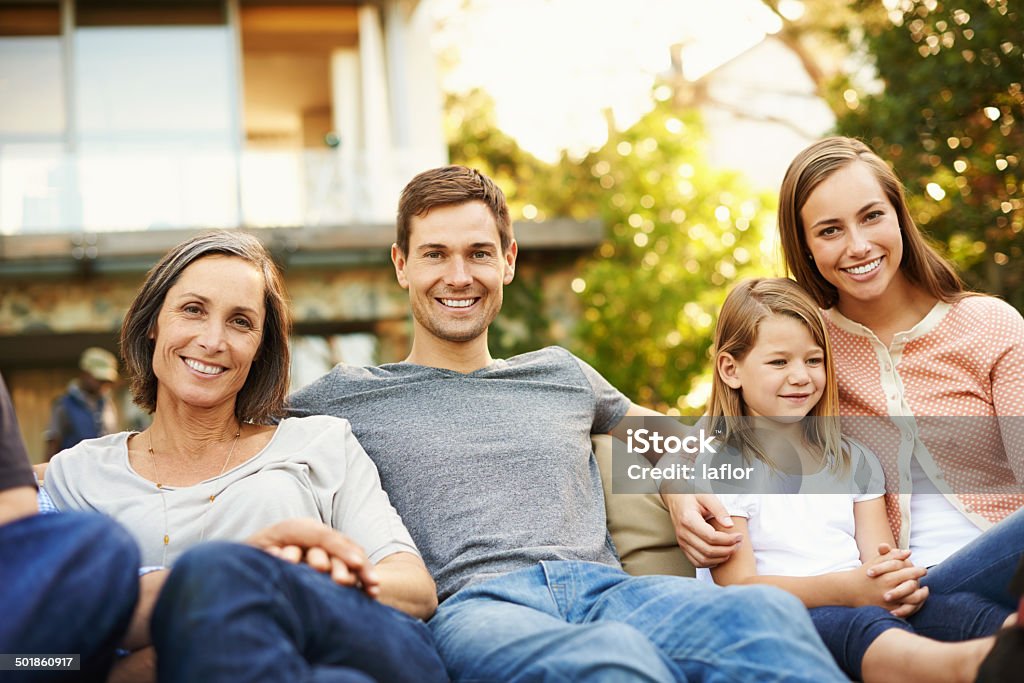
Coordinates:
x,y
447,186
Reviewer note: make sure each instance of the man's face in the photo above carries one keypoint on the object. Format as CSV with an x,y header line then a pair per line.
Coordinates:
x,y
455,270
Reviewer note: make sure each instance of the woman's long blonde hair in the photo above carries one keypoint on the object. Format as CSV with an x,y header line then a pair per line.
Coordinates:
x,y
745,308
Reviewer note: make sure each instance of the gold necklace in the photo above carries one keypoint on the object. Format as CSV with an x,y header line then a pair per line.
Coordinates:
x,y
163,491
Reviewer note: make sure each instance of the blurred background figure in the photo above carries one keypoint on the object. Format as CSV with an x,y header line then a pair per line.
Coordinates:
x,y
86,410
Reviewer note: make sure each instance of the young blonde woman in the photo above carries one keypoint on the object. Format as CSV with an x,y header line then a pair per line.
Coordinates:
x,y
931,376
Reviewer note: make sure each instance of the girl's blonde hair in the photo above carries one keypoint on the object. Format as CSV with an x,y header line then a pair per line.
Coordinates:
x,y
745,308
922,264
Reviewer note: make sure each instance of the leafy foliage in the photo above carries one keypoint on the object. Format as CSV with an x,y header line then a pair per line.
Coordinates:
x,y
950,120
679,234
947,115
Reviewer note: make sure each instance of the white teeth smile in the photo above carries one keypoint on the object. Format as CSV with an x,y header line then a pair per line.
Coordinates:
x,y
205,369
866,268
458,303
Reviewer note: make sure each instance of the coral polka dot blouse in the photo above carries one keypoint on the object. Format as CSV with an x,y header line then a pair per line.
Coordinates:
x,y
950,392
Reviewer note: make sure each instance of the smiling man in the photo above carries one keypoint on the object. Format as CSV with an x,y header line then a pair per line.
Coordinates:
x,y
489,462
455,271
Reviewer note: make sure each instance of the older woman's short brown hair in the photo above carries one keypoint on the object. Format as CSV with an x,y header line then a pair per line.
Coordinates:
x,y
447,186
263,395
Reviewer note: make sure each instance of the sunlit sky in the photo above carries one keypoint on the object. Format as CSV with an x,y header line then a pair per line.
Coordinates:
x,y
553,66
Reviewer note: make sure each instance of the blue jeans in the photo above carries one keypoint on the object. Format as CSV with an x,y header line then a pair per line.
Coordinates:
x,y
230,612
581,621
969,598
69,583
849,631
985,566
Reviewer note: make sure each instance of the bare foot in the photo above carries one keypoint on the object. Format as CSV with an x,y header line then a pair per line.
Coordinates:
x,y
901,656
974,651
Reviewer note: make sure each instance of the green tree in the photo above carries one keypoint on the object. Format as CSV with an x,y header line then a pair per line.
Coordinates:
x,y
936,88
949,118
827,37
475,140
679,234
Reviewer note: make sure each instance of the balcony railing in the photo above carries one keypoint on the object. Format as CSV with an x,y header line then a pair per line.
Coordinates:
x,y
43,191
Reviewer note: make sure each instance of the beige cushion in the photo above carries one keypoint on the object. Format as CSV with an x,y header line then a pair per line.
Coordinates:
x,y
639,522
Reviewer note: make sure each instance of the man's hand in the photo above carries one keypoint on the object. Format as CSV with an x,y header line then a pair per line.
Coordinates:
x,y
702,544
322,548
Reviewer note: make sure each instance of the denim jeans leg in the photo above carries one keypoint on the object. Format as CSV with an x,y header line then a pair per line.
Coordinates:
x,y
230,612
70,584
984,566
740,633
510,629
955,617
848,632
583,621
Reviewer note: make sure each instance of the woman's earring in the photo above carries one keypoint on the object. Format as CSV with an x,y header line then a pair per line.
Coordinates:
x,y
810,257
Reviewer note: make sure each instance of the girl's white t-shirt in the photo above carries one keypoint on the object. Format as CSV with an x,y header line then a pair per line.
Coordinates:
x,y
804,534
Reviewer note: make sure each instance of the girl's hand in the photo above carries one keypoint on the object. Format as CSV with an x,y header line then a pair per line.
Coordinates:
x,y
911,603
888,590
894,581
890,559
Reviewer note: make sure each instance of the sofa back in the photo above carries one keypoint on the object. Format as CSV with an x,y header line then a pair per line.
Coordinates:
x,y
639,523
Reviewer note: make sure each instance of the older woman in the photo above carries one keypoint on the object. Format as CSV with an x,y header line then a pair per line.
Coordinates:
x,y
931,377
206,348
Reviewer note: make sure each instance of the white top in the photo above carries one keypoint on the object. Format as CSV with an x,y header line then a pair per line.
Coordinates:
x,y
938,529
804,534
312,467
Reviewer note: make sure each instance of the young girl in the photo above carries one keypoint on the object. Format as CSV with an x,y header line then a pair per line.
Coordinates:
x,y
774,403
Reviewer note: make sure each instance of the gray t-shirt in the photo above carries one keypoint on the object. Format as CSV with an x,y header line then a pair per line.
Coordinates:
x,y
493,470
312,467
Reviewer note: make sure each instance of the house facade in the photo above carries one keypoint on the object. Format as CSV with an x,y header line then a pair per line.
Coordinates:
x,y
128,125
